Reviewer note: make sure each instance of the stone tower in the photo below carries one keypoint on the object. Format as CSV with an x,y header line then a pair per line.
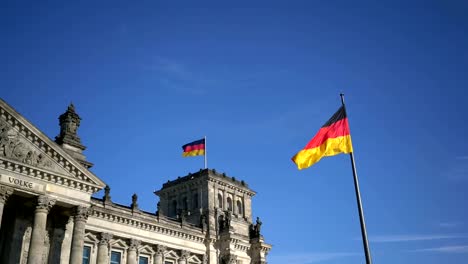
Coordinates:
x,y
221,205
68,138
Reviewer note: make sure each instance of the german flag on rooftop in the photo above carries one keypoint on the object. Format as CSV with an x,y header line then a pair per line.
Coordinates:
x,y
333,138
195,148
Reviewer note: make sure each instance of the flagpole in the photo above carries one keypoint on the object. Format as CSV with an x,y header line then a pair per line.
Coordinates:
x,y
205,154
359,202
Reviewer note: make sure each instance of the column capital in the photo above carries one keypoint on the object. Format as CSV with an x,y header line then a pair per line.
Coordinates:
x,y
134,244
5,192
105,238
45,203
82,213
185,254
160,249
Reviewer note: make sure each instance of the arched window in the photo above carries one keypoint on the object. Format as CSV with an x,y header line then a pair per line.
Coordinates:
x,y
239,207
195,201
229,204
173,209
220,201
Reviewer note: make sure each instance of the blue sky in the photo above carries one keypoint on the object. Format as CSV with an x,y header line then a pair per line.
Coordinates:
x,y
259,79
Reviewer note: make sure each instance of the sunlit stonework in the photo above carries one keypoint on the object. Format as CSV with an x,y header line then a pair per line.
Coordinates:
x,y
48,214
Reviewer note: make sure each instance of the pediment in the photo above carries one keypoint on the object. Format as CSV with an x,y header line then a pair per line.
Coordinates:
x,y
26,150
171,254
146,249
118,243
194,259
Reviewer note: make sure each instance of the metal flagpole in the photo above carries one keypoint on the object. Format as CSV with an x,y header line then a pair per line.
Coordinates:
x,y
205,154
359,203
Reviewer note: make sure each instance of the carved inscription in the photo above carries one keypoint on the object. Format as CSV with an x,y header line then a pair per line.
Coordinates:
x,y
20,182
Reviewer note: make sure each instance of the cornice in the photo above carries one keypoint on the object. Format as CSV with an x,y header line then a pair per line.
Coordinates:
x,y
47,176
230,186
147,222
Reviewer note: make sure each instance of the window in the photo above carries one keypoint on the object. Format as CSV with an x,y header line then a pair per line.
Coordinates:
x,y
168,262
184,204
229,204
195,201
115,257
86,254
220,201
173,210
239,207
143,260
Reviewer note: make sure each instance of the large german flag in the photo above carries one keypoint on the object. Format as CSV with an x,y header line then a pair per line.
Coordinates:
x,y
195,148
333,138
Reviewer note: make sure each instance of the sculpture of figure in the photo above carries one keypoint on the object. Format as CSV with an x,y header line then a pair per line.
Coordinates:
x,y
203,222
252,231
227,223
134,201
258,226
221,223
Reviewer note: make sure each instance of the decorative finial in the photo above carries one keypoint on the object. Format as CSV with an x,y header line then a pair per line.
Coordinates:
x,y
134,201
107,197
69,124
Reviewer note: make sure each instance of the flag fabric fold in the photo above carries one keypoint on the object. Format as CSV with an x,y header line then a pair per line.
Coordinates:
x,y
195,148
333,138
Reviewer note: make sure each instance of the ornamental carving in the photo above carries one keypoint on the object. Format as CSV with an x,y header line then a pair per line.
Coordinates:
x,y
13,146
105,238
160,249
185,254
5,192
44,202
229,259
134,244
82,213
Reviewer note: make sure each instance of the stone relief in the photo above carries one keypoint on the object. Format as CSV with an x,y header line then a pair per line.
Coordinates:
x,y
45,254
228,259
5,192
13,146
26,241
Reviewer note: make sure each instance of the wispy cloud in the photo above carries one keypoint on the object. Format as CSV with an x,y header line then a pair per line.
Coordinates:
x,y
177,76
408,238
449,224
307,258
445,249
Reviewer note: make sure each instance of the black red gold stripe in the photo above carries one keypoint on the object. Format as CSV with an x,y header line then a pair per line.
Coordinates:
x,y
194,148
333,138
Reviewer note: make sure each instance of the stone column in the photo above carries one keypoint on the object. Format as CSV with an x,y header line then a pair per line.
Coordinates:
x,y
5,192
159,254
80,218
36,245
103,248
184,255
132,251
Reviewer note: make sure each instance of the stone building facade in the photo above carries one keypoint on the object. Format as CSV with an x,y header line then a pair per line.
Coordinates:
x,y
48,213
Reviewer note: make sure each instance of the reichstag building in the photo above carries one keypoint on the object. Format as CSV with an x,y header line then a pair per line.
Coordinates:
x,y
48,213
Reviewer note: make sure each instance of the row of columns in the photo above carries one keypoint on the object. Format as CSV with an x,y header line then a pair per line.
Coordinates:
x,y
36,245
81,213
132,256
